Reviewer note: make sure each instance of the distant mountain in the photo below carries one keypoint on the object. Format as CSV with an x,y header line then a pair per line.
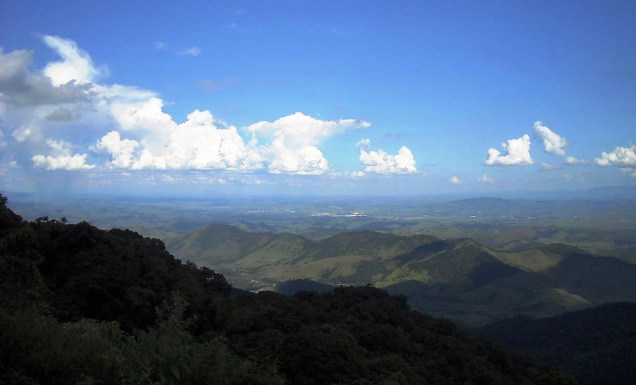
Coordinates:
x,y
457,278
595,345
610,193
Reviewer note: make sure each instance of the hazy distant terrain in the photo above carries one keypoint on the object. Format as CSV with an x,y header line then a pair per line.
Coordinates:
x,y
600,221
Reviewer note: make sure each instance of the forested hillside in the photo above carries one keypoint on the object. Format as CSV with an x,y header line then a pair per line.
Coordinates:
x,y
594,345
85,306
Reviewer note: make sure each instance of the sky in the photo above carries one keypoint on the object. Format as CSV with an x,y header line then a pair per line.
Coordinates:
x,y
316,97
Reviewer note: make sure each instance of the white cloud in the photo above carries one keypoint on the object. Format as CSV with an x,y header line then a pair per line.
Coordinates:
x,y
455,180
160,45
195,144
518,153
129,125
572,161
621,156
193,51
59,147
121,151
62,162
485,179
382,163
301,130
552,142
304,161
76,65
295,139
61,158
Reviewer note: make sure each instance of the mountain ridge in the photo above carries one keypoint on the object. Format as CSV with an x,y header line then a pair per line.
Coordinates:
x,y
539,281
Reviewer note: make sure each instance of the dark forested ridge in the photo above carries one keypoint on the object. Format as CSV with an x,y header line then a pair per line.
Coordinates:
x,y
85,306
595,345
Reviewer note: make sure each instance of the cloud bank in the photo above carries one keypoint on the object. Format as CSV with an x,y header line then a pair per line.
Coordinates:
x,y
49,112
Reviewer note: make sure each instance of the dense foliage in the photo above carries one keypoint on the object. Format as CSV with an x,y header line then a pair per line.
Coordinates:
x,y
87,306
595,345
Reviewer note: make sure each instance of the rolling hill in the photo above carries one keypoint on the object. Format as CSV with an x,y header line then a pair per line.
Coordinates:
x,y
456,278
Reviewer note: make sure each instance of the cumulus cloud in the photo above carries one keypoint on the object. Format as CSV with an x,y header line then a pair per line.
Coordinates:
x,y
21,87
382,163
129,128
552,142
61,158
572,161
621,156
485,179
301,130
193,51
62,162
455,180
195,144
75,66
295,139
303,161
121,151
518,153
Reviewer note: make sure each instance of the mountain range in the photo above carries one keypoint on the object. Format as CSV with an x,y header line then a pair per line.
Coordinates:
x,y
455,278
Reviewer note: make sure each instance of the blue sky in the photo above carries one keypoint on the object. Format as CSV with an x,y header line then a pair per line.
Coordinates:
x,y
322,97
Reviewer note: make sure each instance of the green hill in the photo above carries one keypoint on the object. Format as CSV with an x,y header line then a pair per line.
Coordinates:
x,y
457,278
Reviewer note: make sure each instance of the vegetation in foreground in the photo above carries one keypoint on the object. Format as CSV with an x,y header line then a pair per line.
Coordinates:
x,y
596,345
85,306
